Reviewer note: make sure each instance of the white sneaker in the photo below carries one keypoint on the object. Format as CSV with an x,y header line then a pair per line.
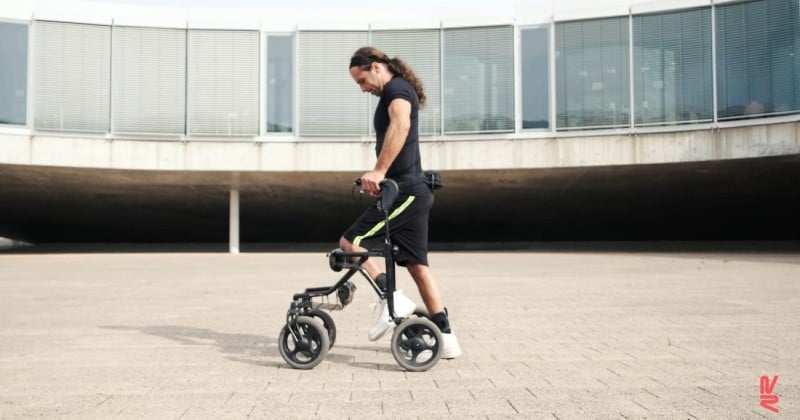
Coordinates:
x,y
403,307
450,347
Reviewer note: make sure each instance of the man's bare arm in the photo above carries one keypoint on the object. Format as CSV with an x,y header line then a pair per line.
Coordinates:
x,y
396,134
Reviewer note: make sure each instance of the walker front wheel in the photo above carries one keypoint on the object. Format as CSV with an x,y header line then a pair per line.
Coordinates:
x,y
417,344
327,322
306,346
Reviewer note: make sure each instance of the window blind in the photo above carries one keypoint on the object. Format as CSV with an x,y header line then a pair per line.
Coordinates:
x,y
420,49
149,80
758,58
331,103
223,83
72,76
672,71
592,86
478,68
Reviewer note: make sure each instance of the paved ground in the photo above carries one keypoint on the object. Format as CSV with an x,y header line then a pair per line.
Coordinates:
x,y
546,335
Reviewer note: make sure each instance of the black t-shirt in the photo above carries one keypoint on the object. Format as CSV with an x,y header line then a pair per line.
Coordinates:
x,y
407,167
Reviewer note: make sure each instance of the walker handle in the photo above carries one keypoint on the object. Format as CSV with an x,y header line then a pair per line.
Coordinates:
x,y
389,192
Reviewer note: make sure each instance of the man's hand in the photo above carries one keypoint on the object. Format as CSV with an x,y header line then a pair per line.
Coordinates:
x,y
370,181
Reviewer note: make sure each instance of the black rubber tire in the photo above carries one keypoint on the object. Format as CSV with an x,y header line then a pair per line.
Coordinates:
x,y
422,313
327,322
417,344
313,346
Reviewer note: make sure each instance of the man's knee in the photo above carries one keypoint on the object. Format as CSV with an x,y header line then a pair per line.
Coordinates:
x,y
345,244
416,269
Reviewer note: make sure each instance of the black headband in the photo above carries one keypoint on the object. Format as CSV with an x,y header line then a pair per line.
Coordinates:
x,y
366,60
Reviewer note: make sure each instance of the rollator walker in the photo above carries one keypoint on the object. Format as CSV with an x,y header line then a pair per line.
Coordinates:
x,y
310,330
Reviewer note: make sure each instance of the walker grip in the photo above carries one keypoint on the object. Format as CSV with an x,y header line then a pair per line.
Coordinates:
x,y
389,193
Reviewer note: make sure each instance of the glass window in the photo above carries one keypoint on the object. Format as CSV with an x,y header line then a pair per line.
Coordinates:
x,y
420,49
592,85
534,45
758,58
672,71
72,74
148,88
13,73
280,83
478,79
223,83
331,104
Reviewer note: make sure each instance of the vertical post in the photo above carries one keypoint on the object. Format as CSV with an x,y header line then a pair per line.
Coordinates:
x,y
714,88
234,222
631,75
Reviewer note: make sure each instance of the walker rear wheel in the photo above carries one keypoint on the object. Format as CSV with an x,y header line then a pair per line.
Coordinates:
x,y
309,347
417,344
422,313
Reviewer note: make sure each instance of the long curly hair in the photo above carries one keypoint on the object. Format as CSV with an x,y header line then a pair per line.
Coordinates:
x,y
365,56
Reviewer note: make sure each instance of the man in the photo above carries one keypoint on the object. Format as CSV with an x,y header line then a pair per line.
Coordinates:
x,y
397,149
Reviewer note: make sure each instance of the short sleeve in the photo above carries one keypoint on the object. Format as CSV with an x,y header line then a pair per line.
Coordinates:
x,y
396,89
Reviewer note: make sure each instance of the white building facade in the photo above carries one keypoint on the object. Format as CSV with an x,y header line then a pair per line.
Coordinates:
x,y
629,84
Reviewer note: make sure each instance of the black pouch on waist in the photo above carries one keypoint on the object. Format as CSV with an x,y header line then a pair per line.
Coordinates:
x,y
433,179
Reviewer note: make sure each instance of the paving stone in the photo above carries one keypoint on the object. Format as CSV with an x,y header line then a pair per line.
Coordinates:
x,y
546,335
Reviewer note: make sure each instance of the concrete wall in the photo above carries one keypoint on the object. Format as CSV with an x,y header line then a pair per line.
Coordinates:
x,y
519,151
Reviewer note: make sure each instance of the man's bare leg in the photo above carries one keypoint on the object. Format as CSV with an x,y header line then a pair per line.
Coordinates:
x,y
427,287
370,265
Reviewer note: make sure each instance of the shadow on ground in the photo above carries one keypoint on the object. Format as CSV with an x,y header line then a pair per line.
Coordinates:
x,y
252,349
246,348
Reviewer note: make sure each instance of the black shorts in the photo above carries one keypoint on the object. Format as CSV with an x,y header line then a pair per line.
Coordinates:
x,y
408,228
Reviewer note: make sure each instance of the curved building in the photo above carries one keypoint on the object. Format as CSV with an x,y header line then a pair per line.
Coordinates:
x,y
668,120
